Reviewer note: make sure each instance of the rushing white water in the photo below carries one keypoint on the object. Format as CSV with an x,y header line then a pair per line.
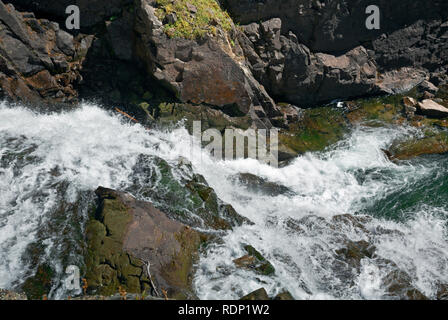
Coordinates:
x,y
299,232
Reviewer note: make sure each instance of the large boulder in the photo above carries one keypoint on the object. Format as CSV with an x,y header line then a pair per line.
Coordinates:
x,y
206,70
291,72
92,12
336,26
310,52
134,247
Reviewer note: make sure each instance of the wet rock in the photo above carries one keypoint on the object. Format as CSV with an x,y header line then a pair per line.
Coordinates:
x,y
354,252
255,261
40,284
432,109
442,292
261,185
125,235
284,295
257,295
10,295
431,143
399,286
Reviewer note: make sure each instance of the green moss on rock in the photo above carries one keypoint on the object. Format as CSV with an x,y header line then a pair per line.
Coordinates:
x,y
194,18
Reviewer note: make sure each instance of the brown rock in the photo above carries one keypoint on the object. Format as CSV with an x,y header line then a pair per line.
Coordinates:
x,y
432,109
34,55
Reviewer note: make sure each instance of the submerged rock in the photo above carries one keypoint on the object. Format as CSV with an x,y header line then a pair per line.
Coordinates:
x,y
127,237
431,143
255,261
183,195
284,295
398,285
354,252
257,184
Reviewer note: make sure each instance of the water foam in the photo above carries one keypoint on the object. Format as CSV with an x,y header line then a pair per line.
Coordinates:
x,y
89,147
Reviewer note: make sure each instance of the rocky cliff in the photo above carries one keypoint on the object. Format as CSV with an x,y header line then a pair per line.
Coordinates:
x,y
302,52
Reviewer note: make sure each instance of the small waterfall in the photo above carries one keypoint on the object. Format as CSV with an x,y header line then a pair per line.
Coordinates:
x,y
50,163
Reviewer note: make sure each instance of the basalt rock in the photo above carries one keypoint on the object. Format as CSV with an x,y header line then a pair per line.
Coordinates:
x,y
308,52
290,71
209,70
39,62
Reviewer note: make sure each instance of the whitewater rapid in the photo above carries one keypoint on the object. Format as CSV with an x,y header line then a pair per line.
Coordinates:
x,y
90,147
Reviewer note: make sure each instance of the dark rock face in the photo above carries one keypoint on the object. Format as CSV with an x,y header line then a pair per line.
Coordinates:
x,y
290,71
92,12
309,52
336,26
39,62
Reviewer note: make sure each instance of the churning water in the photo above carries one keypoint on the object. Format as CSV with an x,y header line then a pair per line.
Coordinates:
x,y
50,163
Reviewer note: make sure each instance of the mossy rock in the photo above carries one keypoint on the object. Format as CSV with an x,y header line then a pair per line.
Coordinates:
x,y
431,143
125,237
194,18
40,284
108,266
255,261
317,129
